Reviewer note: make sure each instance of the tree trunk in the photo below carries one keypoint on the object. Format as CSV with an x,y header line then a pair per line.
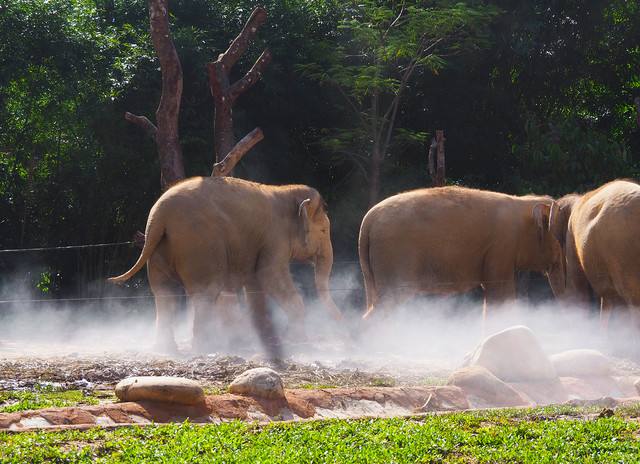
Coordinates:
x,y
440,171
374,176
166,134
224,93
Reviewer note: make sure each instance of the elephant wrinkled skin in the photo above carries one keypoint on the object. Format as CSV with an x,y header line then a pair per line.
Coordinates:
x,y
219,233
599,234
450,240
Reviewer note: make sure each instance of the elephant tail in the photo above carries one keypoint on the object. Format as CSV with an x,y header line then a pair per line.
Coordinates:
x,y
365,265
153,235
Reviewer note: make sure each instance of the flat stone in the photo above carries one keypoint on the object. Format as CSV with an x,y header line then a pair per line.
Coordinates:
x,y
165,389
513,355
485,390
581,363
261,382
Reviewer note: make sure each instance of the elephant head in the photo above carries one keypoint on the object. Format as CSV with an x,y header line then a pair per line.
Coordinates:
x,y
315,246
550,254
558,225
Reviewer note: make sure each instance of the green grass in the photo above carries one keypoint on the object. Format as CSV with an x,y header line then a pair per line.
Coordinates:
x,y
316,386
546,435
12,401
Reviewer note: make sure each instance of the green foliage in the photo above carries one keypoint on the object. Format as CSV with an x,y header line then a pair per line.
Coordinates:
x,y
42,397
582,158
506,436
382,46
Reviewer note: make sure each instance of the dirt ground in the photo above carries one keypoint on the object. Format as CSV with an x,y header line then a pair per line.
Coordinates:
x,y
23,368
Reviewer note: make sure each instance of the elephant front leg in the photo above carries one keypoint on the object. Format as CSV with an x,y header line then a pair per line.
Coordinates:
x,y
278,284
497,291
262,322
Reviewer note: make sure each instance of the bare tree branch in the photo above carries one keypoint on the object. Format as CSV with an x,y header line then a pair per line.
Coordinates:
x,y
252,76
225,166
143,122
242,41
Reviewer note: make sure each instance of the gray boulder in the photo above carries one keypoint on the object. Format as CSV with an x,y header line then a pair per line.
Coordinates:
x,y
581,363
485,390
261,382
166,389
513,355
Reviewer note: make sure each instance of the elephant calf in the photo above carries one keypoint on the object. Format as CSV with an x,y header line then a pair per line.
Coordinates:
x,y
599,233
450,240
215,233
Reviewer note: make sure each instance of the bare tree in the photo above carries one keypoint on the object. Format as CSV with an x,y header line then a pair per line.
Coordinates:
x,y
436,159
224,93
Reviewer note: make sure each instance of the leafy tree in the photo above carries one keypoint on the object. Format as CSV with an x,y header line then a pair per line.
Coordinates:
x,y
387,44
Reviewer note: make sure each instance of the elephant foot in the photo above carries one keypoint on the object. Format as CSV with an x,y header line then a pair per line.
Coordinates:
x,y
297,335
202,346
165,346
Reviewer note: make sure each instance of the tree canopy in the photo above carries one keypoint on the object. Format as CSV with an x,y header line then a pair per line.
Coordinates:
x,y
532,95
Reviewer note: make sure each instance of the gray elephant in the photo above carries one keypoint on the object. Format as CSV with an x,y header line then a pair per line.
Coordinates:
x,y
219,233
450,240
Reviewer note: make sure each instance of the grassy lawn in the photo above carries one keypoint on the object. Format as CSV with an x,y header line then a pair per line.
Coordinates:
x,y
540,435
42,397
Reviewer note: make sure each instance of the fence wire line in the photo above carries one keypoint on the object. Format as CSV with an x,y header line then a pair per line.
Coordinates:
x,y
66,247
142,297
225,293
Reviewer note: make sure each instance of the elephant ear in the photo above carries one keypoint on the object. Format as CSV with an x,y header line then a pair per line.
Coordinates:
x,y
541,216
303,215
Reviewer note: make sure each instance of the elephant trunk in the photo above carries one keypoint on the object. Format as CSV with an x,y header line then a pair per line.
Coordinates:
x,y
557,281
324,263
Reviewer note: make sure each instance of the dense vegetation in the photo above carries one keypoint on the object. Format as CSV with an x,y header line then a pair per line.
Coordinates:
x,y
533,95
533,436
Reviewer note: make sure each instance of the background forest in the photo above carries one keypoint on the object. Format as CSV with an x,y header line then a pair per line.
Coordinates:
x,y
533,96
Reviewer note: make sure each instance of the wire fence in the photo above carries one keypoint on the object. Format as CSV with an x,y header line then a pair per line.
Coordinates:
x,y
416,285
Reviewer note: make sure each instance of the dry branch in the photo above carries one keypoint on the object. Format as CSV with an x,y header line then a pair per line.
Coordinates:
x,y
225,166
252,76
143,122
242,41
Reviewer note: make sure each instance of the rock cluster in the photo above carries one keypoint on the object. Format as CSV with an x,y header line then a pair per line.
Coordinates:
x,y
510,368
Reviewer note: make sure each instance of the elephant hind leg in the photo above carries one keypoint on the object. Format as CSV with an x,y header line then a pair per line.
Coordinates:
x,y
389,299
166,303
165,287
204,301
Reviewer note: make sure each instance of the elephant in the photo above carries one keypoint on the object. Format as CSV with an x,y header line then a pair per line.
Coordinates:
x,y
599,233
211,234
448,240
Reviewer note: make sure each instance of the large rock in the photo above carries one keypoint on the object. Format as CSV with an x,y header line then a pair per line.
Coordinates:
x,y
485,390
513,355
166,389
261,382
581,363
